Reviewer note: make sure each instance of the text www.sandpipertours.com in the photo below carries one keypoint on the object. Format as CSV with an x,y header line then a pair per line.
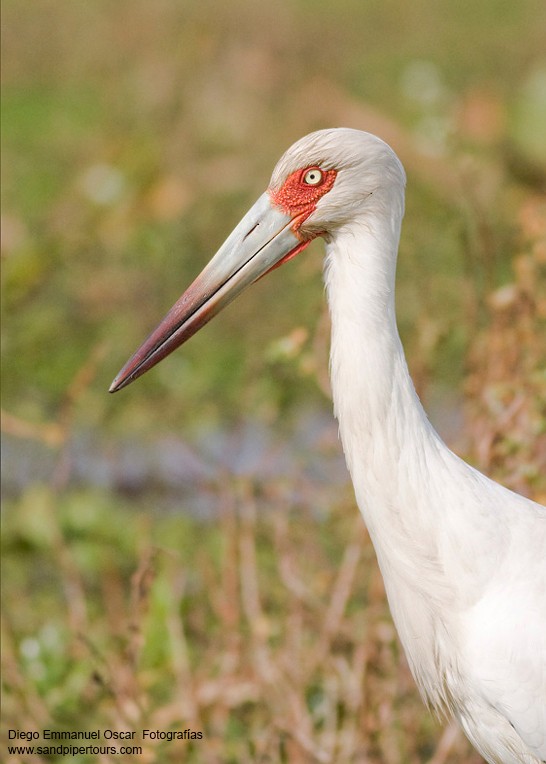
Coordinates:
x,y
89,742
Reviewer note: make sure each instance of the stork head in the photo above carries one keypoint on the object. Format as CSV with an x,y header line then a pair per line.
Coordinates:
x,y
319,185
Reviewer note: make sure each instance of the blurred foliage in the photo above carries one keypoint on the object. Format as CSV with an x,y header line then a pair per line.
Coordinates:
x,y
241,628
134,136
129,146
506,383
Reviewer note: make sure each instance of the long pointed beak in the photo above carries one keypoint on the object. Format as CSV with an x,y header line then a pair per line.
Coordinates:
x,y
264,239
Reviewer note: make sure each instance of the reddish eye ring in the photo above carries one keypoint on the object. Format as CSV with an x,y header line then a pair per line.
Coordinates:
x,y
312,176
301,190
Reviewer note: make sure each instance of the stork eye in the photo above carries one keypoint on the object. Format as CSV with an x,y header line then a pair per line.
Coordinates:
x,y
313,176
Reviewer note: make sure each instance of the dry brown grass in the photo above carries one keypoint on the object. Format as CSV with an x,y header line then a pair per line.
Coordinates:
x,y
506,383
280,649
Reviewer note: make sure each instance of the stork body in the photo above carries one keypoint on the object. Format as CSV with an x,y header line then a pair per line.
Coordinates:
x,y
463,559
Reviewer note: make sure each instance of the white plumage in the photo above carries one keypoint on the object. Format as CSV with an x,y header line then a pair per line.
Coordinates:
x,y
463,559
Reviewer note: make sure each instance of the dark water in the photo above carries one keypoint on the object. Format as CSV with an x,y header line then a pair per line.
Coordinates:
x,y
183,474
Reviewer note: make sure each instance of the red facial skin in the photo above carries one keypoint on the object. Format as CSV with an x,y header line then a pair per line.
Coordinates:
x,y
299,199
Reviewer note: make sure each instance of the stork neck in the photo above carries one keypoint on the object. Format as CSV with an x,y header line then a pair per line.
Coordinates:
x,y
382,423
405,478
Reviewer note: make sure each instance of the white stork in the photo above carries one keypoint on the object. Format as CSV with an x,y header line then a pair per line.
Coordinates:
x,y
463,559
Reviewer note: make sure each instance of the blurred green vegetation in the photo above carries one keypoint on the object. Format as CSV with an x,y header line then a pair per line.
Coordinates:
x,y
134,136
130,150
